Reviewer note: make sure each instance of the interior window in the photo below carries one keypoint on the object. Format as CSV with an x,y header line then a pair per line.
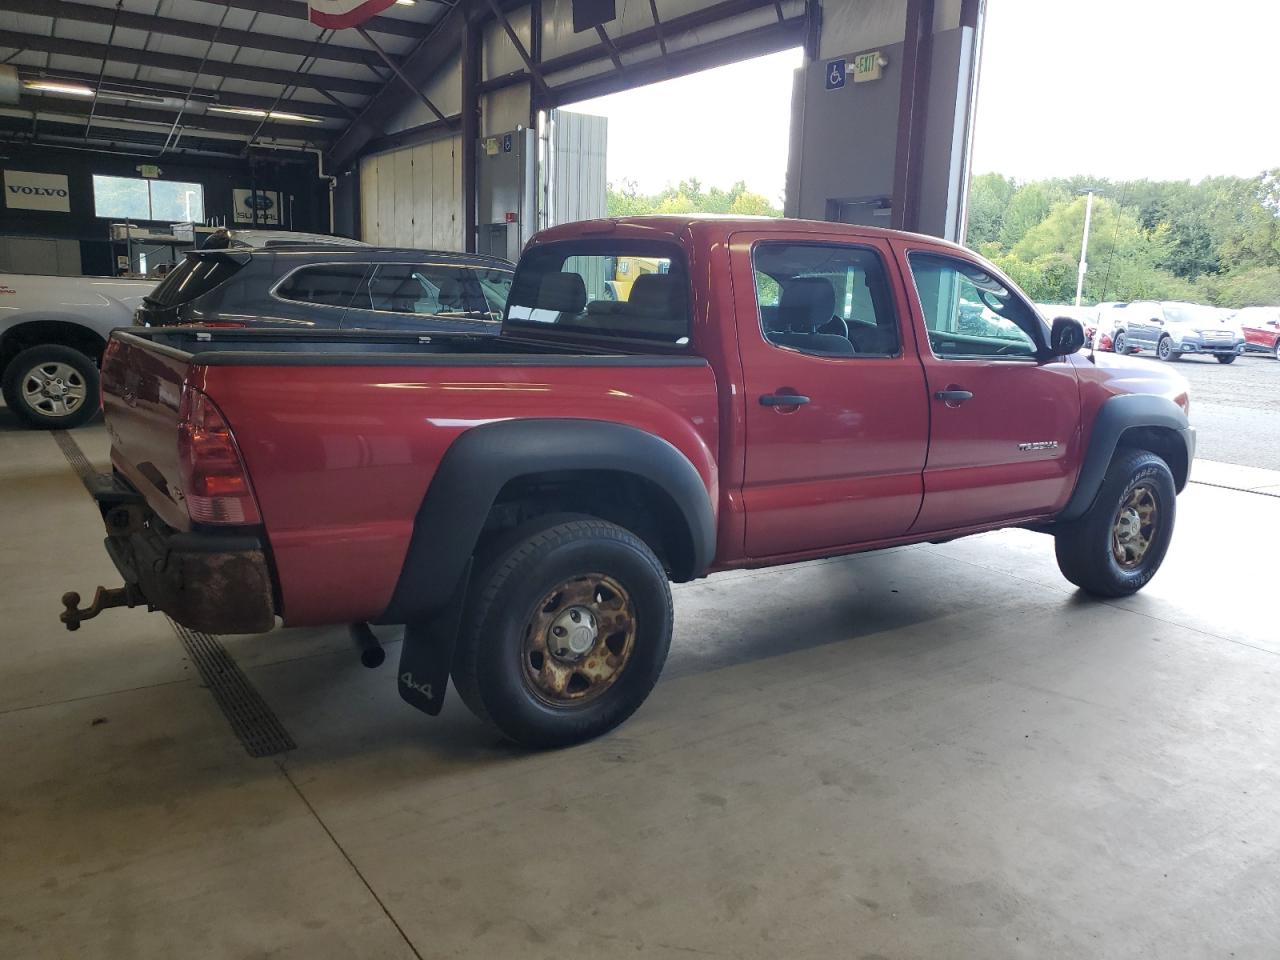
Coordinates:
x,y
969,313
831,300
617,289
331,284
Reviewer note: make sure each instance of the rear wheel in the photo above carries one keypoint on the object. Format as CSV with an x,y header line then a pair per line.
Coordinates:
x,y
52,387
1119,544
1226,357
1275,349
1119,343
566,633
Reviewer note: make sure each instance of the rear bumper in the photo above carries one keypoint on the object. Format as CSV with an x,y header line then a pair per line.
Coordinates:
x,y
212,582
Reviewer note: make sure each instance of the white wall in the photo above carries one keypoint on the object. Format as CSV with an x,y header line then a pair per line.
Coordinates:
x,y
413,197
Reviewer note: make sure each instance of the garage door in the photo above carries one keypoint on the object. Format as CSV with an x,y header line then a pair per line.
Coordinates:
x,y
412,197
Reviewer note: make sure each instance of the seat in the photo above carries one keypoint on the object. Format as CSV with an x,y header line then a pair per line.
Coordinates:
x,y
562,293
806,304
658,305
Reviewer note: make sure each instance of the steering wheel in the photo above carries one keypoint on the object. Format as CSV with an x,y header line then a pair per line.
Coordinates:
x,y
836,327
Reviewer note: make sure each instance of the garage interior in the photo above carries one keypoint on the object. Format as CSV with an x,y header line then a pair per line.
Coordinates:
x,y
941,750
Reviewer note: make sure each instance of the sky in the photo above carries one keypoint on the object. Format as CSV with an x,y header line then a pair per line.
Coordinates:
x,y
1163,89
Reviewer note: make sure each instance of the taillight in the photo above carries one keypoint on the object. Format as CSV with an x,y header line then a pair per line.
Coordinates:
x,y
214,480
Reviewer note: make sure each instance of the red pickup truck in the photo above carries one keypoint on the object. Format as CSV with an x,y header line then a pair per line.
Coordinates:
x,y
771,391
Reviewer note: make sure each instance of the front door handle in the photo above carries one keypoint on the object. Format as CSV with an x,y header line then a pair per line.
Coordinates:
x,y
783,400
954,396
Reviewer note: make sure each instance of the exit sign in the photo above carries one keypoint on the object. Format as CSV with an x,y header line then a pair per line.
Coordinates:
x,y
866,66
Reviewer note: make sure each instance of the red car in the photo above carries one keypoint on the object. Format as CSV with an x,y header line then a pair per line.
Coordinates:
x,y
775,391
1261,329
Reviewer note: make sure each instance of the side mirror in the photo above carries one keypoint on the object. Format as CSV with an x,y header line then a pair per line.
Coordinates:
x,y
1066,336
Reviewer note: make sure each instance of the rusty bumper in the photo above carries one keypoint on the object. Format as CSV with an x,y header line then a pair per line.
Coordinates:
x,y
212,582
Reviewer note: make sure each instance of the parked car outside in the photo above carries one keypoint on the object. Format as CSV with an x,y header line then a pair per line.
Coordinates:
x,y
780,390
1173,328
1261,326
327,286
1088,317
1111,326
52,334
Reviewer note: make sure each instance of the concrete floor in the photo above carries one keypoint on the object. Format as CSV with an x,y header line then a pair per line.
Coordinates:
x,y
931,752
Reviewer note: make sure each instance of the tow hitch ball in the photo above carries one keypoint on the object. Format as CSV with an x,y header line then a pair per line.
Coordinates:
x,y
103,599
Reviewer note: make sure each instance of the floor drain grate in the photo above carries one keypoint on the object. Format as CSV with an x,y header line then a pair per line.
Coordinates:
x,y
254,723
75,456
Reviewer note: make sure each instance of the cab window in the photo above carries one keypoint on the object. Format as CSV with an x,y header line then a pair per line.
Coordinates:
x,y
625,289
970,313
830,300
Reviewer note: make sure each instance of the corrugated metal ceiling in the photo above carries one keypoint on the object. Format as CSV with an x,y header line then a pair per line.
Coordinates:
x,y
192,69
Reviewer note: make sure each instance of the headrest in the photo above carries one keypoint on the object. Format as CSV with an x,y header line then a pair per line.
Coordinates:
x,y
562,292
806,304
656,293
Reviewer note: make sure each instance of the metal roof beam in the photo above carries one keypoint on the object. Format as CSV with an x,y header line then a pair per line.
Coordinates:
x,y
220,98
425,60
191,121
191,30
298,11
192,65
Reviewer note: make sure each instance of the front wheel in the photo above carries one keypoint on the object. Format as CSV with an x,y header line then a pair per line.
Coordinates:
x,y
52,387
1226,357
1119,343
1275,349
566,633
1165,351
1119,544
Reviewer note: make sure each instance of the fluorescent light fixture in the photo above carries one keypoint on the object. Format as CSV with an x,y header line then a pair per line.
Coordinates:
x,y
265,114
405,3
49,86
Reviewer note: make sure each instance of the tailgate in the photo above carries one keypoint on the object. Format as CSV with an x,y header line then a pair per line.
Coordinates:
x,y
141,388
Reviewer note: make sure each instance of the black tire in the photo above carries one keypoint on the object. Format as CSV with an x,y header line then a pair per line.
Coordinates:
x,y
1165,351
1226,357
1275,349
1085,551
1119,342
75,372
491,667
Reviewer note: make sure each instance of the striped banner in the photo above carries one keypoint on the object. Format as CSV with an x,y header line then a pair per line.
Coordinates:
x,y
337,14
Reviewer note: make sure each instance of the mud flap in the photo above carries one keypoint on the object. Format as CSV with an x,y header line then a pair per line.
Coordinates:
x,y
426,653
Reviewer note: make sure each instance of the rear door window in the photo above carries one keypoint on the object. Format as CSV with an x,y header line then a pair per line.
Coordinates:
x,y
622,289
326,284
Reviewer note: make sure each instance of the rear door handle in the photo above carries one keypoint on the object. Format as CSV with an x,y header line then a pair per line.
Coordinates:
x,y
954,396
783,400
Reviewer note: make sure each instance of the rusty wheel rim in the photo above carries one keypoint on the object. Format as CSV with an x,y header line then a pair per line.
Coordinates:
x,y
578,640
1134,526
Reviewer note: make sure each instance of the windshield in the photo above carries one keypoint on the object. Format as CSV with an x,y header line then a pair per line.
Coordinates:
x,y
611,288
1189,313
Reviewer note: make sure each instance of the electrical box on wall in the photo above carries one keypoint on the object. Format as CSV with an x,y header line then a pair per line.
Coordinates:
x,y
506,177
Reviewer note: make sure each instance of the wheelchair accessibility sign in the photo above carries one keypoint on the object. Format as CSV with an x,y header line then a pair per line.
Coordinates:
x,y
835,74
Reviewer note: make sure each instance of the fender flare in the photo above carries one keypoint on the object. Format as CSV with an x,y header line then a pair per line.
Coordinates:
x,y
485,458
1117,415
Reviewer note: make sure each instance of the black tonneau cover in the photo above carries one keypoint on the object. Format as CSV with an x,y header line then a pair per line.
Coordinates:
x,y
224,346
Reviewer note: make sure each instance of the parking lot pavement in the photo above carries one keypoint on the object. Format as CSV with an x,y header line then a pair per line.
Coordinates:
x,y
1235,408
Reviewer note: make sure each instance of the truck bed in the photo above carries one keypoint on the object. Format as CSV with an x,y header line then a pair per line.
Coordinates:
x,y
341,432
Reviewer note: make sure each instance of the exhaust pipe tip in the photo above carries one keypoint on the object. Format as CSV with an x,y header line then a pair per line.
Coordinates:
x,y
372,655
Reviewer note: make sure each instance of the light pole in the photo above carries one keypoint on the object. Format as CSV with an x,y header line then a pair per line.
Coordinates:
x,y
1084,248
